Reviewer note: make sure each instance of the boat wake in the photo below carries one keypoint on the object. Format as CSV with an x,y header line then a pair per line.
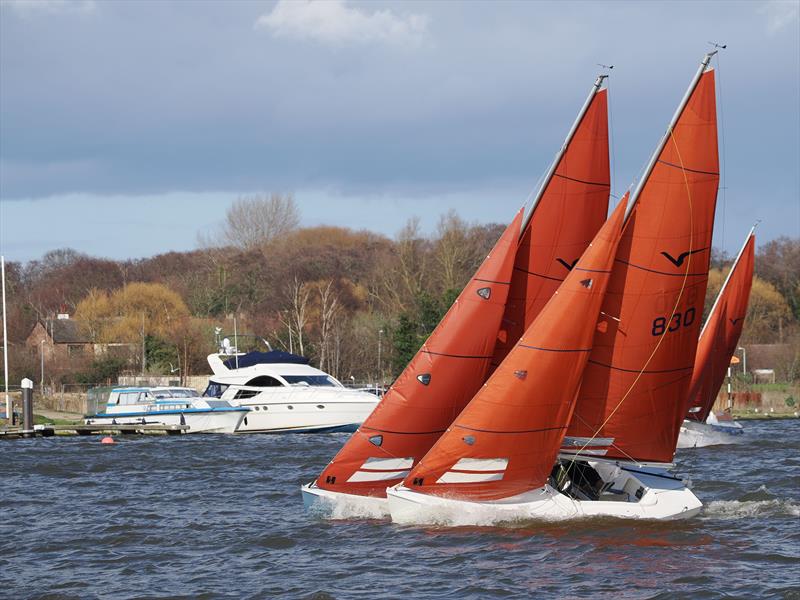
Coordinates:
x,y
760,503
344,509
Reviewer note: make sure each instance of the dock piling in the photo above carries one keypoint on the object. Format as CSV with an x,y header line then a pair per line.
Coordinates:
x,y
27,408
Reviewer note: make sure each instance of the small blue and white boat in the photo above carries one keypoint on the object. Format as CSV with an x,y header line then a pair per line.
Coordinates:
x,y
169,406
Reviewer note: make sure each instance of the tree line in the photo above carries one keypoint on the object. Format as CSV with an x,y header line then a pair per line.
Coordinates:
x,y
357,303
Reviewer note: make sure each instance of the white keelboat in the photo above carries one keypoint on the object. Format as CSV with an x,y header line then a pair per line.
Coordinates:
x,y
284,394
168,406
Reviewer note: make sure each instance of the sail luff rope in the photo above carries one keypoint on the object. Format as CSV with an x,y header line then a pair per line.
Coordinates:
x,y
674,309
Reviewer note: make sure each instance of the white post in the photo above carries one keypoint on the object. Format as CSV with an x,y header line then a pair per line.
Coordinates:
x,y
41,357
5,339
744,361
235,343
380,367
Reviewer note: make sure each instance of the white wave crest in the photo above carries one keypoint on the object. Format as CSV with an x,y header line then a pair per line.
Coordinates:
x,y
735,509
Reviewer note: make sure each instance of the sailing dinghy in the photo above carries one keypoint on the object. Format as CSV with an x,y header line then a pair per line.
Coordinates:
x,y
485,322
718,341
615,457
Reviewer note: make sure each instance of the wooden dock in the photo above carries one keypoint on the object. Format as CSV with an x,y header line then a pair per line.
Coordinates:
x,y
96,429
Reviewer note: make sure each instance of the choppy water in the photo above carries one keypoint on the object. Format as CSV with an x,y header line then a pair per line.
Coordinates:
x,y
222,517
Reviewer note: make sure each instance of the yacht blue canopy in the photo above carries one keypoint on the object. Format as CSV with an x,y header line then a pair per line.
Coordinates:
x,y
260,358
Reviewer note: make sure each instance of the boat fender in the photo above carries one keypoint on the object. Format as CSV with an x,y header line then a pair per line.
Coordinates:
x,y
183,420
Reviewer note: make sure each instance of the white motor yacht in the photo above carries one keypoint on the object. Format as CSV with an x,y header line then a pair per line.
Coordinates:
x,y
283,393
169,406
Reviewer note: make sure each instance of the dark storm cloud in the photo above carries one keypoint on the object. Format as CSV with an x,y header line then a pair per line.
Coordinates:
x,y
419,98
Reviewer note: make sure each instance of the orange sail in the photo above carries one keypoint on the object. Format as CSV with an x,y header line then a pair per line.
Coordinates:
x,y
506,440
720,335
433,388
635,388
570,208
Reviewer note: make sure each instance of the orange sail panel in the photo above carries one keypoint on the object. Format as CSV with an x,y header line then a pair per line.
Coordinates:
x,y
720,335
434,387
635,388
570,211
506,440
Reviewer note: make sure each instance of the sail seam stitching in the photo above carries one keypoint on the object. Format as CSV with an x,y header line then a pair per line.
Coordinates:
x,y
608,185
453,355
669,164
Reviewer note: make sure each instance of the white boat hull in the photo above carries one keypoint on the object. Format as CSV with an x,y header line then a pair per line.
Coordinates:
x,y
198,422
305,411
700,435
662,497
333,505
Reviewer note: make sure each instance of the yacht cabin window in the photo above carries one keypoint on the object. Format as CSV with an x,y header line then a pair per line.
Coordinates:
x,y
264,381
215,390
315,380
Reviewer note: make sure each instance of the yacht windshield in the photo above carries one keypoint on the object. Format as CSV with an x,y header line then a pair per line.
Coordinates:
x,y
176,393
214,390
315,380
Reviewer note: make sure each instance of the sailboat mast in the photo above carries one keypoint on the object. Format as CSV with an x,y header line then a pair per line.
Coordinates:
x,y
653,159
728,277
551,171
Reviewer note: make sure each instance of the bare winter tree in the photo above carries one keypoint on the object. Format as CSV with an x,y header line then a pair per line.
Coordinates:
x,y
253,221
295,318
328,309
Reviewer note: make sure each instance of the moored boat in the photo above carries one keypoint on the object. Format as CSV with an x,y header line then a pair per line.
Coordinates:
x,y
284,394
168,406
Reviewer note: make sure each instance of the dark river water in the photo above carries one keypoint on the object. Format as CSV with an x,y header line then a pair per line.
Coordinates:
x,y
222,517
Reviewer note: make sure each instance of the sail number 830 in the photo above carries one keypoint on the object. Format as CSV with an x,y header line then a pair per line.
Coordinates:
x,y
677,321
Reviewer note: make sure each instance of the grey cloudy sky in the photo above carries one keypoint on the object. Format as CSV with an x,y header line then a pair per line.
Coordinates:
x,y
128,127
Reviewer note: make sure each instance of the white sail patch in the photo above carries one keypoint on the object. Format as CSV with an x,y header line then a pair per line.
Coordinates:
x,y
580,442
475,470
382,469
384,464
360,476
481,464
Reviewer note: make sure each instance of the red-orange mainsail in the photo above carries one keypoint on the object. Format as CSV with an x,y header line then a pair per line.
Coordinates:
x,y
634,391
433,388
570,208
720,335
506,440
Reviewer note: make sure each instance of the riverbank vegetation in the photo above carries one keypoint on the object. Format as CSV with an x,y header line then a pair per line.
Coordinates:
x,y
357,303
